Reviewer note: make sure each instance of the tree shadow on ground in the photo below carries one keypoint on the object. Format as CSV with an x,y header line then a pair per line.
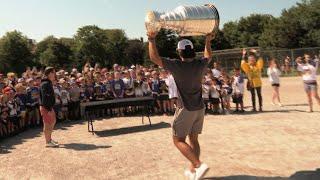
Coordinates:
x,y
83,147
300,175
130,130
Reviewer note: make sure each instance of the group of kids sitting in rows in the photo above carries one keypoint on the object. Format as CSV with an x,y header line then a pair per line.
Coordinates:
x,y
19,97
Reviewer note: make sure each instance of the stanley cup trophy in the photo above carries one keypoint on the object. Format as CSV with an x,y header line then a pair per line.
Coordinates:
x,y
185,20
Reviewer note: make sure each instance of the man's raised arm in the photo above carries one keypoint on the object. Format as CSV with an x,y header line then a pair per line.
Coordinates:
x,y
207,49
153,51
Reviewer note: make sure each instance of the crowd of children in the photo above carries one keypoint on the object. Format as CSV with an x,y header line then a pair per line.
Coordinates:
x,y
19,97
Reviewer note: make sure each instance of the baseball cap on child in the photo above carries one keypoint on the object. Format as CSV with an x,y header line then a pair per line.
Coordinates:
x,y
183,43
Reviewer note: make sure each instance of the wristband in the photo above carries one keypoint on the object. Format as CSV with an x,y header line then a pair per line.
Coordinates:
x,y
151,39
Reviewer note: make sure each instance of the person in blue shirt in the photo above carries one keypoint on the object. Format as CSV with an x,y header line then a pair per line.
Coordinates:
x,y
155,88
118,86
21,97
32,105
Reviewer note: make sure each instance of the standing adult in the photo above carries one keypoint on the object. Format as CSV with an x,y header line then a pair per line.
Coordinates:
x,y
308,70
287,68
47,101
253,69
188,119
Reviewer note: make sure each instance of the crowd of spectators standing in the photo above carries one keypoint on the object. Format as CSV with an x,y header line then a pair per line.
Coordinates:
x,y
19,95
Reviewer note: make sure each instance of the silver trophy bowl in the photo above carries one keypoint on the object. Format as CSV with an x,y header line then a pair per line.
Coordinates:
x,y
185,20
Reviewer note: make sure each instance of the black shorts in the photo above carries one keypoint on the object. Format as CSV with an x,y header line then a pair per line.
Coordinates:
x,y
155,96
237,98
14,120
3,122
214,100
276,85
163,97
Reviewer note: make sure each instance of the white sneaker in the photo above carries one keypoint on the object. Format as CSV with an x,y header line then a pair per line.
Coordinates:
x,y
201,171
54,142
227,112
51,144
279,104
190,175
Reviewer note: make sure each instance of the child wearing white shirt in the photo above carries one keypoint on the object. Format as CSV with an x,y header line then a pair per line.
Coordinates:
x,y
173,91
274,77
205,92
215,96
238,89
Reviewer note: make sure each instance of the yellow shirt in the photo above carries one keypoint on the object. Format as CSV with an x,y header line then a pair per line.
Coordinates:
x,y
253,72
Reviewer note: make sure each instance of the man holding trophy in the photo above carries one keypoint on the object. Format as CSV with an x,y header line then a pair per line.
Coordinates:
x,y
188,72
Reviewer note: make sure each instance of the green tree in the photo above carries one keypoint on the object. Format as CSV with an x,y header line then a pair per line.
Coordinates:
x,y
232,34
247,31
15,52
118,43
297,27
92,45
57,54
135,51
167,43
252,27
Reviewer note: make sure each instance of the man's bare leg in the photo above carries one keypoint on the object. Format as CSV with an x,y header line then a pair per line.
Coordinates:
x,y
187,151
194,144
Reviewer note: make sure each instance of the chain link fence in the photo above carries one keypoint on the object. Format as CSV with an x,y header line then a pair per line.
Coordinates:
x,y
231,58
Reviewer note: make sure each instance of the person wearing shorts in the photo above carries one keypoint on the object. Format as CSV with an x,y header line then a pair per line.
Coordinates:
x,y
308,70
47,102
173,91
188,119
274,78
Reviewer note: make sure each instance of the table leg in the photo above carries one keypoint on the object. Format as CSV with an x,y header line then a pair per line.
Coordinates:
x,y
148,113
90,123
144,109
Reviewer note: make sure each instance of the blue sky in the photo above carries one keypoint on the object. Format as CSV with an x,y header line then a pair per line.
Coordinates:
x,y
40,18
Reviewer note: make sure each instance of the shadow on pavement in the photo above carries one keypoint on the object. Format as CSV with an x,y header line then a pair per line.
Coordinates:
x,y
83,147
129,130
300,175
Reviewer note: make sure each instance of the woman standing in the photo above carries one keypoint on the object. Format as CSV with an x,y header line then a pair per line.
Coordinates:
x,y
47,102
274,77
308,71
253,69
